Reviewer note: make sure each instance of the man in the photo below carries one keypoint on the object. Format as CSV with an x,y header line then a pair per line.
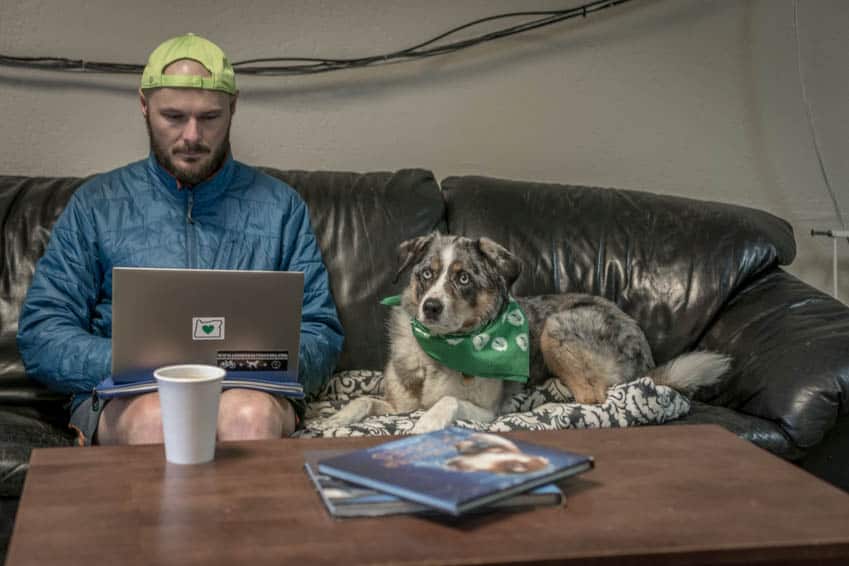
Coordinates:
x,y
189,204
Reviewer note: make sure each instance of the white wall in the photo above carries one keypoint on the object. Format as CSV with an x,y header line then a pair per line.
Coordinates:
x,y
696,98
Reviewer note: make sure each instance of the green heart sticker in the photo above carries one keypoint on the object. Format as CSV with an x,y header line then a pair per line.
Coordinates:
x,y
208,328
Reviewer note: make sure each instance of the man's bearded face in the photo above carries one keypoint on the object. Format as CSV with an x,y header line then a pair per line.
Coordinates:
x,y
189,131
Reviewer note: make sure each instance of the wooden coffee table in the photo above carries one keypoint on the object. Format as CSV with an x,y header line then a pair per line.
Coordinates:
x,y
658,495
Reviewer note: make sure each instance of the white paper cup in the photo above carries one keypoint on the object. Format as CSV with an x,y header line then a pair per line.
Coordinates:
x,y
189,395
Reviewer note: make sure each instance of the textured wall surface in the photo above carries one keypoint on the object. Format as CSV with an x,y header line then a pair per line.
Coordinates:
x,y
696,98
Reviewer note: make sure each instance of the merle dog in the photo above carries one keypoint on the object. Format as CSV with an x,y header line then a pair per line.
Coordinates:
x,y
457,285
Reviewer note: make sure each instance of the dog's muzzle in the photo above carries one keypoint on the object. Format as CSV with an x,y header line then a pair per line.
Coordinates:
x,y
432,308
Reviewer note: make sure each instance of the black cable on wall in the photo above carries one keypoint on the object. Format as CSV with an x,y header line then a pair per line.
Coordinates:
x,y
809,115
276,66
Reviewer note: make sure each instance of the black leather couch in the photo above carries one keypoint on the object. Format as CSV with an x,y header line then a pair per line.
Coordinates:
x,y
694,274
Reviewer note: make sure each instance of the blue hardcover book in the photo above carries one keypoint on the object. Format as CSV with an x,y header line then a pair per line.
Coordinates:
x,y
345,499
455,470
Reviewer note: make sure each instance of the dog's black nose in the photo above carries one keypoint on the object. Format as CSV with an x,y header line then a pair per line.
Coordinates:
x,y
432,308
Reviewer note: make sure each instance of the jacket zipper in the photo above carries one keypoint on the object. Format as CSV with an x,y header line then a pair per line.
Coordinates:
x,y
190,231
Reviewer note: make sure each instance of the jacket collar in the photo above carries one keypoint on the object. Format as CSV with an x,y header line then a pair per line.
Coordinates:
x,y
210,189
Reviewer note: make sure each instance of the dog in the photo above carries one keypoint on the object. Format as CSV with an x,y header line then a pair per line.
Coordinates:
x,y
458,285
482,452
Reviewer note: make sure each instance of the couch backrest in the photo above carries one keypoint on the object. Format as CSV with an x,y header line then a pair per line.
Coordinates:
x,y
669,262
359,220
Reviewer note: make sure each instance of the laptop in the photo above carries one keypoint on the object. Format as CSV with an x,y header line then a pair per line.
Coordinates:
x,y
248,322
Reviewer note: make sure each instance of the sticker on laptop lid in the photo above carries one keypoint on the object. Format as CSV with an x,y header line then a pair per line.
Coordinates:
x,y
263,360
208,328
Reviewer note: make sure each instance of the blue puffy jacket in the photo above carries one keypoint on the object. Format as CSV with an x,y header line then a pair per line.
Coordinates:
x,y
137,216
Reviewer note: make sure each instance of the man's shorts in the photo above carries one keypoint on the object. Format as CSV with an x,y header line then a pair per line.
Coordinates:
x,y
86,416
84,419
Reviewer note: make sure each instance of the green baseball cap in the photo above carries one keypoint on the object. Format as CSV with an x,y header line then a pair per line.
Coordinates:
x,y
190,46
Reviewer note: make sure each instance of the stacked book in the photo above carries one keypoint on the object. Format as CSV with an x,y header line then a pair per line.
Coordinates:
x,y
452,471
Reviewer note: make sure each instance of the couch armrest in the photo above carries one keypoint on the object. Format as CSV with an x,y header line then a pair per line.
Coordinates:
x,y
790,344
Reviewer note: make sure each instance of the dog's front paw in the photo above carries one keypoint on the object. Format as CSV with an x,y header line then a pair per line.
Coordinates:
x,y
353,412
428,425
442,414
331,423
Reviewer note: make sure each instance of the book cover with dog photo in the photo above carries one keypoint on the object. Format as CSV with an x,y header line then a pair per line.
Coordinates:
x,y
345,499
455,470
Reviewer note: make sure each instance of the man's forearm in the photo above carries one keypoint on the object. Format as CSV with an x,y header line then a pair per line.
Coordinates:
x,y
66,360
319,351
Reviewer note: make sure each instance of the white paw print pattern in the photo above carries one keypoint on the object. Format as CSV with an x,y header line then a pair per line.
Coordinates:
x,y
480,341
522,342
453,341
499,344
516,317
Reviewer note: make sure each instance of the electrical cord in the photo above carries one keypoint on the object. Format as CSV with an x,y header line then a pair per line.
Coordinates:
x,y
417,51
308,65
833,234
810,117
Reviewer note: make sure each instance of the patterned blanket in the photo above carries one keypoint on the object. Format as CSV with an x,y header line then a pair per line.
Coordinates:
x,y
545,407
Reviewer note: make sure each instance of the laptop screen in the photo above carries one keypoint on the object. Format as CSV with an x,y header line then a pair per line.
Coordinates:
x,y
239,320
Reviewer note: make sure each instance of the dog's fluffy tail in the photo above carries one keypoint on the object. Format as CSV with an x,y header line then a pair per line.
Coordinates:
x,y
690,372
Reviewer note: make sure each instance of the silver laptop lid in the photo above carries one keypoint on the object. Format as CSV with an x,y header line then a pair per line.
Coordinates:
x,y
166,316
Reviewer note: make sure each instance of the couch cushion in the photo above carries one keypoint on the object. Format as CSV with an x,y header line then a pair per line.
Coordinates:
x,y
359,220
669,262
766,434
789,344
21,430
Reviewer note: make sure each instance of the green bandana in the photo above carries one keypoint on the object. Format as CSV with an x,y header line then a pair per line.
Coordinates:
x,y
499,349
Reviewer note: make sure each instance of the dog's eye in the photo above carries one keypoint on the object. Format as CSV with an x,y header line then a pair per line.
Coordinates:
x,y
426,274
464,278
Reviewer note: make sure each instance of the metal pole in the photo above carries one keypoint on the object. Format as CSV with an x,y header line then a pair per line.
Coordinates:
x,y
834,247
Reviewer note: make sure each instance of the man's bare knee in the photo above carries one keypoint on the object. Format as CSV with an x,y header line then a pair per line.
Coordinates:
x,y
248,415
134,420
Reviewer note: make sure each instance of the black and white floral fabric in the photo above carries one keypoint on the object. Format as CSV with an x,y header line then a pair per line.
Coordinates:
x,y
545,407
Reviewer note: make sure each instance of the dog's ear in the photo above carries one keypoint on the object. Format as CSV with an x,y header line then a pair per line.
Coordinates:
x,y
411,251
507,264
